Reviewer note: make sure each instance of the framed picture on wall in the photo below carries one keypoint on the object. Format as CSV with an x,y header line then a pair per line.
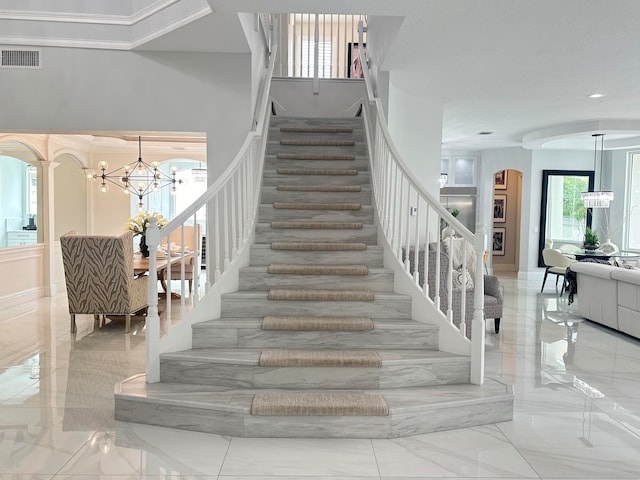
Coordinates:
x,y
354,67
499,234
499,208
500,181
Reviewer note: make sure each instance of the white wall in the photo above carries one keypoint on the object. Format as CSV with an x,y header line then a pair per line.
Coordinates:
x,y
336,98
415,124
531,164
256,40
84,90
93,90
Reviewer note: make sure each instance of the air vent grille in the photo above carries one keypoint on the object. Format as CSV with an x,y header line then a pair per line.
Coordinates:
x,y
20,59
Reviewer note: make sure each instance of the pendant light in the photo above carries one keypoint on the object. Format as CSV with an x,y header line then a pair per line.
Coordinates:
x,y
599,198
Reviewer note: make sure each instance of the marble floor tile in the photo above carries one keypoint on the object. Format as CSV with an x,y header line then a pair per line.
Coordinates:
x,y
576,409
470,452
586,444
283,457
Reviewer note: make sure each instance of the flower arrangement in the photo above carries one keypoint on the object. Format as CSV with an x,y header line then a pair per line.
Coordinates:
x,y
139,224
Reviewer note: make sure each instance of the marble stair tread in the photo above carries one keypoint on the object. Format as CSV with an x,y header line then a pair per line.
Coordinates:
x,y
379,324
251,356
253,295
227,410
265,269
210,396
271,195
274,176
318,188
315,129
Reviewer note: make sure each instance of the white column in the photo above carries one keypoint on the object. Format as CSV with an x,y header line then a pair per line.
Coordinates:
x,y
47,222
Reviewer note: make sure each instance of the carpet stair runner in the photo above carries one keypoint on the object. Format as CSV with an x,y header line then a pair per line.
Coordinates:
x,y
315,342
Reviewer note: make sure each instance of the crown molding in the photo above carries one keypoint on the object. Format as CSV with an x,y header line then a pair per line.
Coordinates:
x,y
8,42
86,18
117,43
177,23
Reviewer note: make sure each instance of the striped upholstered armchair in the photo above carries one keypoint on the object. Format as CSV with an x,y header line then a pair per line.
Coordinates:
x,y
98,272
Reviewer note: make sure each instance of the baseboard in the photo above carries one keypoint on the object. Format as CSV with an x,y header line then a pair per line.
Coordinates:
x,y
22,297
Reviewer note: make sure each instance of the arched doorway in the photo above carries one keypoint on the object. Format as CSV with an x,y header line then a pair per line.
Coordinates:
x,y
506,214
20,195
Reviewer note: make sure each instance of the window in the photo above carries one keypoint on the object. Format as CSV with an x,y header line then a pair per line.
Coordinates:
x,y
631,210
563,216
324,58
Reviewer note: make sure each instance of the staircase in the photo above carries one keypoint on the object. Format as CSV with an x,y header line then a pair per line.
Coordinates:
x,y
315,343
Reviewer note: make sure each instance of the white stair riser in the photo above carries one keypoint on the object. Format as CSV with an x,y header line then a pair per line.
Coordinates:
x,y
276,135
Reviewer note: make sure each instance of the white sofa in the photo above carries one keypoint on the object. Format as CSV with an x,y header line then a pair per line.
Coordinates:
x,y
609,295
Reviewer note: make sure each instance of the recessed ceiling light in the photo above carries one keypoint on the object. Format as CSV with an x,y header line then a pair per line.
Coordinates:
x,y
485,133
595,95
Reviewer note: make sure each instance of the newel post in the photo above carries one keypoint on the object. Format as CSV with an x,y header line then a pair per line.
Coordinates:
x,y
477,323
153,319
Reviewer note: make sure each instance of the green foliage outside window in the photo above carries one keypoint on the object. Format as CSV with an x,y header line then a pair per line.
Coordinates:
x,y
572,204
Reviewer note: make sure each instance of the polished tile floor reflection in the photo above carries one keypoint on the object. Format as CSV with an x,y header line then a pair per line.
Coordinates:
x,y
576,415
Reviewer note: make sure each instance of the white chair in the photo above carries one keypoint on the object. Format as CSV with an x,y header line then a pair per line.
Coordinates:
x,y
556,263
568,250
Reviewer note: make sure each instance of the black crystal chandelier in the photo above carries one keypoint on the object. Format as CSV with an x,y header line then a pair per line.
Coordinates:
x,y
137,178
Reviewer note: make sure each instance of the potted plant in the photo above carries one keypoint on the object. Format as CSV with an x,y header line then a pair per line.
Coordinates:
x,y
590,240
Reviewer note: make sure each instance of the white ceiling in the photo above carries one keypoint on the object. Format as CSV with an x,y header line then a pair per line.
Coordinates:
x,y
516,68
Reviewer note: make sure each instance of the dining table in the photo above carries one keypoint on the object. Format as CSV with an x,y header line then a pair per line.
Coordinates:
x,y
141,267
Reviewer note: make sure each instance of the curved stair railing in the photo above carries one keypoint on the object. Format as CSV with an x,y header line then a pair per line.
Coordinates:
x,y
413,221
230,204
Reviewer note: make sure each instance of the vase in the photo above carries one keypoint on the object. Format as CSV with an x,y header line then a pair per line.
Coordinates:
x,y
609,247
144,249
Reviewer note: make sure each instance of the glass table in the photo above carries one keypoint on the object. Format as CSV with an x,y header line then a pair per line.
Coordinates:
x,y
582,254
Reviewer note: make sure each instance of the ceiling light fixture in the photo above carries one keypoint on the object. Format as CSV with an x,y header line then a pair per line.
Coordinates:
x,y
138,178
595,95
600,198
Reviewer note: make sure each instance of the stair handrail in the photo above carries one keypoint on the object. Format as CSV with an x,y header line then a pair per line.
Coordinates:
x,y
394,191
231,203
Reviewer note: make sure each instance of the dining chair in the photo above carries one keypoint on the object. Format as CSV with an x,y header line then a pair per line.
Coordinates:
x,y
556,263
99,277
192,241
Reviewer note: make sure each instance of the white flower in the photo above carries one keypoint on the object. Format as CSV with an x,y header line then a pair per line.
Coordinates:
x,y
139,224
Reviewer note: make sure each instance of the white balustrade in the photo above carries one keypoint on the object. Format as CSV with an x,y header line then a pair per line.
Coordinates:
x,y
231,206
412,221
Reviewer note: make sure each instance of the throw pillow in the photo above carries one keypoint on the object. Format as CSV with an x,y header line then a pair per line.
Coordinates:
x,y
461,279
